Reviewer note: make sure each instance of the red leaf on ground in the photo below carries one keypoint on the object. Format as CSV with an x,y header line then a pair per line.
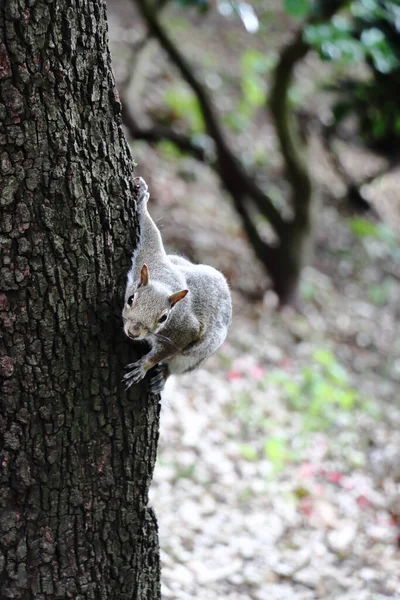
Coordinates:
x,y
333,476
257,372
306,506
363,502
234,374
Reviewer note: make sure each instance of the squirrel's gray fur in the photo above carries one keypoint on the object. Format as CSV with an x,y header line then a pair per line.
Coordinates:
x,y
195,298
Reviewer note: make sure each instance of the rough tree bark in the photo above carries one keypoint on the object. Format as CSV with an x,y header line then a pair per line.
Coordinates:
x,y
76,451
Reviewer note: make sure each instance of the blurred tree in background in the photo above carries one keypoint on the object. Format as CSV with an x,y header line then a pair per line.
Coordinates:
x,y
344,32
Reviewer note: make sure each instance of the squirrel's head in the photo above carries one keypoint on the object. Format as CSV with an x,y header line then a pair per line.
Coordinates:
x,y
148,306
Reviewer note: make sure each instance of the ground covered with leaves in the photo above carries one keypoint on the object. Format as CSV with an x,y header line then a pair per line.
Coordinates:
x,y
278,474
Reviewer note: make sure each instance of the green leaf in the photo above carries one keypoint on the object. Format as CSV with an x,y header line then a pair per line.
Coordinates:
x,y
379,293
186,106
346,399
253,91
372,37
384,60
342,23
254,66
338,374
308,290
363,228
368,9
346,50
248,452
315,34
324,357
276,450
169,150
297,8
335,40
255,61
380,49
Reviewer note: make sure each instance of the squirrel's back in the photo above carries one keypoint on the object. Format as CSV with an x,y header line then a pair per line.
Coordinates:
x,y
209,301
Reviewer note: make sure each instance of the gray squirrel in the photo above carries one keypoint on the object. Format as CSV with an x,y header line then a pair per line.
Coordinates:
x,y
181,309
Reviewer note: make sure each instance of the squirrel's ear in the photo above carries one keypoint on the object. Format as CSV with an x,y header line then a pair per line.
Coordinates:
x,y
176,296
144,275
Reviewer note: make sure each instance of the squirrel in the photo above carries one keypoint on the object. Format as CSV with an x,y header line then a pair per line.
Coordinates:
x,y
183,310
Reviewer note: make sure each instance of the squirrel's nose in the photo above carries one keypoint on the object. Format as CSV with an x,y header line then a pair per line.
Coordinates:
x,y
134,331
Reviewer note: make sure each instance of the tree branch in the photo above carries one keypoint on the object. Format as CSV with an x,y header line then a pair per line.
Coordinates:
x,y
284,117
264,252
286,127
232,173
354,195
159,134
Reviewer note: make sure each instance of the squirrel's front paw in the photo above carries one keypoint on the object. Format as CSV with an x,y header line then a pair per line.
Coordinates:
x,y
136,373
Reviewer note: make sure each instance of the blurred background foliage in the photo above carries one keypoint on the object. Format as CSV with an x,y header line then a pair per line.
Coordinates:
x,y
269,135
361,39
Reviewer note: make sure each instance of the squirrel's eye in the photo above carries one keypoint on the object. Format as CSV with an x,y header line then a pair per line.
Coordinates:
x,y
130,300
162,319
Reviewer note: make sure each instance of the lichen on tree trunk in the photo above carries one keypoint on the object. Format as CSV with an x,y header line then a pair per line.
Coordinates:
x,y
77,452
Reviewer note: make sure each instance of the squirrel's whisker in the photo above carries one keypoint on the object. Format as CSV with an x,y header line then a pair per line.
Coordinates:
x,y
165,338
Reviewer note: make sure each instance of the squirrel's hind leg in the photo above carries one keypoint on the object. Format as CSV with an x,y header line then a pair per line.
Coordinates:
x,y
143,194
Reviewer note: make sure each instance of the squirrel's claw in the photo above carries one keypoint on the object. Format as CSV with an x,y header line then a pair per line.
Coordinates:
x,y
135,374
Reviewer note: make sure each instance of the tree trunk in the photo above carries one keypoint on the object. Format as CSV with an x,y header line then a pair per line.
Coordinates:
x,y
287,262
77,451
